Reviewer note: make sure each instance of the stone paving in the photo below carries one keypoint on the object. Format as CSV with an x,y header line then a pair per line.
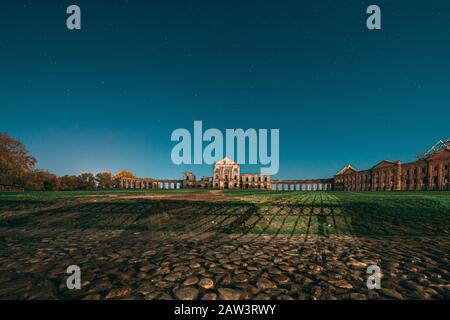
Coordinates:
x,y
120,262
138,265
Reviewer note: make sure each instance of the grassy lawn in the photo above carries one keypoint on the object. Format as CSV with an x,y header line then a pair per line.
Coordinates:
x,y
55,196
252,212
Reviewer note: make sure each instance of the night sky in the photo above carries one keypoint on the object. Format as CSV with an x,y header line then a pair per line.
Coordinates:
x,y
108,97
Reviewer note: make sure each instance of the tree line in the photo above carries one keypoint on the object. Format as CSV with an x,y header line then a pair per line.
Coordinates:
x,y
18,168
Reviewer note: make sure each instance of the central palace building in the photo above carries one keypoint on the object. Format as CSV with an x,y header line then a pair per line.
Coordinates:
x,y
227,175
430,172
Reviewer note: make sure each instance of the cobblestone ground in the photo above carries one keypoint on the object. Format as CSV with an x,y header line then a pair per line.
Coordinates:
x,y
122,259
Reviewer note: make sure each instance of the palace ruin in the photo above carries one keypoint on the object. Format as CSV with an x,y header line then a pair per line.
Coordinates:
x,y
429,173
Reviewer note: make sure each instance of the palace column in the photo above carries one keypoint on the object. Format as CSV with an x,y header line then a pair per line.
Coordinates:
x,y
419,179
440,177
398,177
448,177
388,180
372,179
411,179
430,177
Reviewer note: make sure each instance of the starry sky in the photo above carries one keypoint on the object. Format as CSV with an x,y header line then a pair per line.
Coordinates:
x,y
107,97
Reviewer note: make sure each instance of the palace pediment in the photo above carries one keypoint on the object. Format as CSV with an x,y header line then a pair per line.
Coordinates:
x,y
347,170
226,161
442,154
385,164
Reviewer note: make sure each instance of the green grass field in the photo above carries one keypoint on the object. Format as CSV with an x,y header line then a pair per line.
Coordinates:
x,y
247,212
